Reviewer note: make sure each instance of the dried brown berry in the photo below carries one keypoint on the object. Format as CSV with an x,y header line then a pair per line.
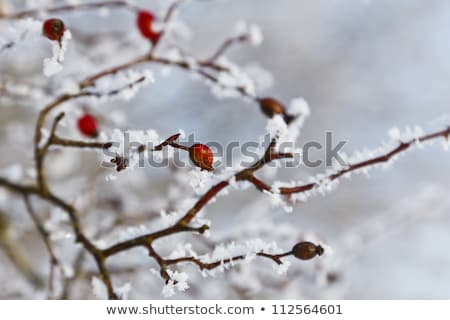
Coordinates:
x,y
307,250
271,107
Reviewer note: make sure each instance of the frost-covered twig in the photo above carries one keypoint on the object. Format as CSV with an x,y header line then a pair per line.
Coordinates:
x,y
167,18
16,254
70,7
171,142
243,175
212,265
80,237
403,146
57,141
223,48
201,70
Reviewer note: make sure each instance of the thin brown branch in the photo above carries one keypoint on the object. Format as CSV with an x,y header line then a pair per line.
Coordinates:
x,y
90,81
117,91
171,142
145,240
226,45
16,254
243,175
171,11
55,124
260,185
211,193
56,140
370,162
79,260
167,18
18,188
68,8
39,154
54,262
122,163
95,252
212,265
80,237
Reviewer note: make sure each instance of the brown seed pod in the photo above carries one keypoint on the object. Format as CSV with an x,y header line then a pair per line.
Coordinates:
x,y
307,250
271,107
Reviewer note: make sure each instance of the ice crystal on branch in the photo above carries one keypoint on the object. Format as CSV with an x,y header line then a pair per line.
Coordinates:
x,y
177,282
254,33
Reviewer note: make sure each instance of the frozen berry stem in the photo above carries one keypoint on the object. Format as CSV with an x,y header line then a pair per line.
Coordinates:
x,y
208,69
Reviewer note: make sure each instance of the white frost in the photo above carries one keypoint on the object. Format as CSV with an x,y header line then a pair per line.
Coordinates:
x,y
299,107
178,282
261,77
53,65
99,288
276,126
253,31
256,36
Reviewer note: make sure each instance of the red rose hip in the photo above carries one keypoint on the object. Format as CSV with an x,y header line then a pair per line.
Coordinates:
x,y
201,156
53,29
87,125
145,23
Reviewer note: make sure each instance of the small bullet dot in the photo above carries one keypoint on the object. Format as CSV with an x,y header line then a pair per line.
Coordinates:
x,y
263,309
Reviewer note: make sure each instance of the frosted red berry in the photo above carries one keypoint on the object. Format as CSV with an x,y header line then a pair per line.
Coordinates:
x,y
307,250
53,29
146,24
202,156
87,125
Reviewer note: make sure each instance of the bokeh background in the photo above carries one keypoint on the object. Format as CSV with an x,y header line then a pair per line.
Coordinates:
x,y
363,66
